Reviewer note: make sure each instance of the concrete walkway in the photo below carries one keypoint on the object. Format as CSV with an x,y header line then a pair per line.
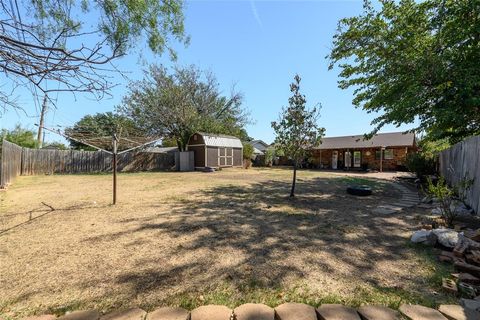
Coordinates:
x,y
386,175
409,198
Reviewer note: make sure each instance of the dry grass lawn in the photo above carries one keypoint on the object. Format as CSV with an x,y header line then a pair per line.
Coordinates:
x,y
189,239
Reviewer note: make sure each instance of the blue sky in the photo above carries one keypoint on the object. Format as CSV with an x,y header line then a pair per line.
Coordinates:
x,y
256,46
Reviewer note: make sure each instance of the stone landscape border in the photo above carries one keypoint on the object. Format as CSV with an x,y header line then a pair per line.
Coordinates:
x,y
286,311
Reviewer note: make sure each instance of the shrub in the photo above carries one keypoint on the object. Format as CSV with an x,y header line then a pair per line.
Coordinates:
x,y
269,157
446,194
421,165
247,151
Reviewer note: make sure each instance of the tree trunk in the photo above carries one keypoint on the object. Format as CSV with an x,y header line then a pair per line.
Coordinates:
x,y
180,145
292,192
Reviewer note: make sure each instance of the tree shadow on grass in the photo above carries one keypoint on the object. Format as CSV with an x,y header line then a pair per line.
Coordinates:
x,y
250,242
275,241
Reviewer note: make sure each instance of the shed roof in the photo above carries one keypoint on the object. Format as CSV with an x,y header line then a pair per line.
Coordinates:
x,y
221,140
392,139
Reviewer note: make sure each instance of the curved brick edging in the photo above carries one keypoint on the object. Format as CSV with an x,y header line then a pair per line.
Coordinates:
x,y
286,311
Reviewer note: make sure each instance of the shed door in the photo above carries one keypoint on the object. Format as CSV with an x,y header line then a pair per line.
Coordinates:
x,y
229,157
225,157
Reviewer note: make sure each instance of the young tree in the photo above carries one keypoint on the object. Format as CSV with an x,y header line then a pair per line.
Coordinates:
x,y
176,105
55,42
414,61
297,130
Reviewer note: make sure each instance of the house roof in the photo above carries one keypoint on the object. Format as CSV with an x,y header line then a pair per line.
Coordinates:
x,y
257,151
392,139
259,141
221,140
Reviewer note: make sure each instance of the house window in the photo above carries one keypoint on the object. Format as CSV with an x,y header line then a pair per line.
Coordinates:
x,y
387,154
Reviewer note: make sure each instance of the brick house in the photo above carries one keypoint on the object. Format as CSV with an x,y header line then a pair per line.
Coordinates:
x,y
384,151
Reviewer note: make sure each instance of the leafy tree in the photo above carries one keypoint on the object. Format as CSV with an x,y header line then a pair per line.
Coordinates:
x,y
176,105
55,42
247,151
270,155
431,148
169,142
102,127
56,145
20,136
297,130
414,60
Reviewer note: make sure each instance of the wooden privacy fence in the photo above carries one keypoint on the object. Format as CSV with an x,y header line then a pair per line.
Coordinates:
x,y
463,161
24,161
10,162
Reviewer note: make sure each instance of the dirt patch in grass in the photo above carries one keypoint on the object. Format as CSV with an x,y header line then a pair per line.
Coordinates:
x,y
189,239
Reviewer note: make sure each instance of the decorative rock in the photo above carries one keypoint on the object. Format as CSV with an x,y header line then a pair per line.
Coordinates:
x,y
470,304
337,312
420,236
42,317
295,311
446,237
387,209
456,312
129,314
254,311
211,312
378,312
168,313
81,315
416,312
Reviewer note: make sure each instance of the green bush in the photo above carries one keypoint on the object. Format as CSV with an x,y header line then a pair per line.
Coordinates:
x,y
247,151
444,194
421,164
269,157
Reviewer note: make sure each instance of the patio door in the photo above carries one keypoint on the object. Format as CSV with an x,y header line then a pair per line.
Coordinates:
x,y
334,159
348,159
357,159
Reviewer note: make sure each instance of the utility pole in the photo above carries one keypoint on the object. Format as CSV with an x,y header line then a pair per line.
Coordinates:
x,y
42,120
114,168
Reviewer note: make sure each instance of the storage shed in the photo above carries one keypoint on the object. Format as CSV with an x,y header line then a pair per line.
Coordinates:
x,y
214,150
